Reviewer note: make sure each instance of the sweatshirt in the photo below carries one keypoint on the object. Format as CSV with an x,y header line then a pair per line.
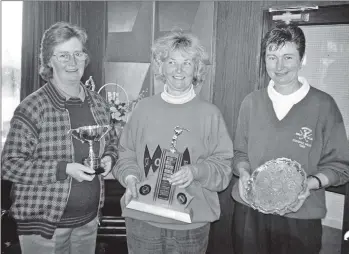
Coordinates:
x,y
312,133
207,145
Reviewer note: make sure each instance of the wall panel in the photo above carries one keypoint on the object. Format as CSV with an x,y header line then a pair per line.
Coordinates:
x,y
191,16
129,37
133,27
96,31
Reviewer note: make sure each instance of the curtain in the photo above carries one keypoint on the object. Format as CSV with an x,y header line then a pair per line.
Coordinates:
x,y
236,75
94,19
39,16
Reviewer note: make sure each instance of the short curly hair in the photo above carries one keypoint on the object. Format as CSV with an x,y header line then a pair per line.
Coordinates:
x,y
58,33
181,41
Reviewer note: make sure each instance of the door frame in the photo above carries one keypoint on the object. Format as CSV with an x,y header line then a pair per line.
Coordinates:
x,y
345,228
324,15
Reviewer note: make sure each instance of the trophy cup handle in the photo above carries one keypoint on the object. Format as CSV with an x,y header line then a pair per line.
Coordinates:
x,y
108,129
72,133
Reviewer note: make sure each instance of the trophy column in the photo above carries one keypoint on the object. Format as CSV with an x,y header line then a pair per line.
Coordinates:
x,y
170,163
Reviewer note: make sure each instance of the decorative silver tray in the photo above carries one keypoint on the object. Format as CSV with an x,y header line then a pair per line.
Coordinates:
x,y
275,186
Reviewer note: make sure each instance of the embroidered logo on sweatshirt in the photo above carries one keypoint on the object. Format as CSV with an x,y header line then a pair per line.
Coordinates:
x,y
304,137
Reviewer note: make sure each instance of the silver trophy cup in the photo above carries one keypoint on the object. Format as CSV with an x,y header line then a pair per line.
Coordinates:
x,y
90,134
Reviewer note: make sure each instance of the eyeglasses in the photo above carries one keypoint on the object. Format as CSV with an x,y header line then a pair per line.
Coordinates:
x,y
65,57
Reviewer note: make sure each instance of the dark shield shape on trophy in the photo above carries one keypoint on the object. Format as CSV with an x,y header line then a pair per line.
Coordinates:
x,y
186,157
147,161
156,159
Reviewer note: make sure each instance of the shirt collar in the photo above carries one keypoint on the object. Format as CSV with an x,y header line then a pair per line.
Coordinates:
x,y
292,98
81,94
180,99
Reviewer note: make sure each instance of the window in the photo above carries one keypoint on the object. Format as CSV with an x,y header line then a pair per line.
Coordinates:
x,y
327,63
11,61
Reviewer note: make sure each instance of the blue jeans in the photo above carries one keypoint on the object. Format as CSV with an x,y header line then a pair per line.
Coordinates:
x,y
81,240
143,238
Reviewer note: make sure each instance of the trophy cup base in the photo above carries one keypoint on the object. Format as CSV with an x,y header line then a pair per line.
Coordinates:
x,y
161,211
95,165
98,171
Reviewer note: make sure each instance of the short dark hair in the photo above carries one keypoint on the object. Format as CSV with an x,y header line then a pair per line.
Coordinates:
x,y
282,34
58,33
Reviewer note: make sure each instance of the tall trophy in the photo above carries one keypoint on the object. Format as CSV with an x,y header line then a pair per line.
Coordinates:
x,y
157,196
91,134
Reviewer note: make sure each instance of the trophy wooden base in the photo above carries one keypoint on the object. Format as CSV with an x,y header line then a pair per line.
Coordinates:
x,y
157,196
184,216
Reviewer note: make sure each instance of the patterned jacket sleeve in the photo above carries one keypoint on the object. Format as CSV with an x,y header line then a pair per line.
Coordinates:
x,y
17,161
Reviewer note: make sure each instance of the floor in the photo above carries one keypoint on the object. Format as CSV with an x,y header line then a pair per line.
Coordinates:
x,y
331,244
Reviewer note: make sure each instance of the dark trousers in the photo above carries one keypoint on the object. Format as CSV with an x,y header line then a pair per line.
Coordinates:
x,y
257,233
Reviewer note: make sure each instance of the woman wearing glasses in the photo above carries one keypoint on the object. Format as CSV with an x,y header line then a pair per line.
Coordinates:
x,y
56,199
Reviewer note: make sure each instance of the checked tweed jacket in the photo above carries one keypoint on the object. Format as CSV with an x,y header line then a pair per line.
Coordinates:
x,y
35,145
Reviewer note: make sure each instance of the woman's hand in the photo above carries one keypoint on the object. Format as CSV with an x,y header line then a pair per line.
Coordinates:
x,y
183,178
301,199
80,172
243,183
106,162
312,184
131,188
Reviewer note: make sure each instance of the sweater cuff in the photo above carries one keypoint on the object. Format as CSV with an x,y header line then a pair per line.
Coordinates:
x,y
333,178
199,171
61,171
130,176
121,176
113,159
241,164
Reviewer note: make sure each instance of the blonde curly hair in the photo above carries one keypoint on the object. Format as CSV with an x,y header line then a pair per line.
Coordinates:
x,y
185,42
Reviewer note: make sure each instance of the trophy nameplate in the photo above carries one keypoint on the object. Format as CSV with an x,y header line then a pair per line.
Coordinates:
x,y
157,196
275,186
